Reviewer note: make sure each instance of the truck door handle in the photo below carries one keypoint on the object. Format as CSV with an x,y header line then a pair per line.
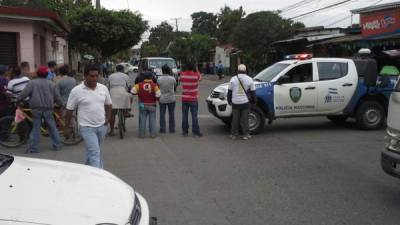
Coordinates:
x,y
310,88
347,85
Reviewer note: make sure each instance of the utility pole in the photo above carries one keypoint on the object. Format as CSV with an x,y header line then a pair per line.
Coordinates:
x,y
176,23
97,4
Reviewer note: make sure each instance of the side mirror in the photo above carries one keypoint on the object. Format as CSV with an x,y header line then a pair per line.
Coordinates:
x,y
283,80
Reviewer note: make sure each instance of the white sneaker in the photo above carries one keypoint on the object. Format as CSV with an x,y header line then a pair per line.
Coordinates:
x,y
246,137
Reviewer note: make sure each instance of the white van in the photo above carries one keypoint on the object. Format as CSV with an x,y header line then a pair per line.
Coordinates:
x,y
156,63
390,157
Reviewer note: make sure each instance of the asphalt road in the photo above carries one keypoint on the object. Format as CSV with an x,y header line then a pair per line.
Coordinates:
x,y
298,171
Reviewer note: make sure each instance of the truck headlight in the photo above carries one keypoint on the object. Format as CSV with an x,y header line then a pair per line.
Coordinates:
x,y
393,139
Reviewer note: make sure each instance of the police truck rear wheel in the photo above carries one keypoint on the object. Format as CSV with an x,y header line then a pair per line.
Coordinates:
x,y
256,120
370,115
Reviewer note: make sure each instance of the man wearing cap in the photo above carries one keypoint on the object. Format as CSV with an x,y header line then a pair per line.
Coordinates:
x,y
43,94
241,93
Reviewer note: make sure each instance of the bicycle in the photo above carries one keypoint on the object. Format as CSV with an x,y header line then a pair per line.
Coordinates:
x,y
121,122
13,134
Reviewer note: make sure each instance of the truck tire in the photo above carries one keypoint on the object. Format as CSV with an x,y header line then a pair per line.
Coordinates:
x,y
256,120
337,119
370,115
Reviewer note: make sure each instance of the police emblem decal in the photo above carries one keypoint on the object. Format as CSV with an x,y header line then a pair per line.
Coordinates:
x,y
295,94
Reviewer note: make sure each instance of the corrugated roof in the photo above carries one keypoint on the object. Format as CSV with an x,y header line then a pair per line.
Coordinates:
x,y
392,5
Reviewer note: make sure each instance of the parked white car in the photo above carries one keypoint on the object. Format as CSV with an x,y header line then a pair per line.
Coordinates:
x,y
36,191
129,67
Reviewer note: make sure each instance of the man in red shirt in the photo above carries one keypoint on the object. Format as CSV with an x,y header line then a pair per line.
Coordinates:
x,y
148,93
190,90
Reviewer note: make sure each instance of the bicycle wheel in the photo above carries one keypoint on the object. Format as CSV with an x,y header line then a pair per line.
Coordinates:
x,y
75,137
121,126
13,134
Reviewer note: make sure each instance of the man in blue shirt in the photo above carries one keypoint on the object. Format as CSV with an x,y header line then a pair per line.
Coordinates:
x,y
52,65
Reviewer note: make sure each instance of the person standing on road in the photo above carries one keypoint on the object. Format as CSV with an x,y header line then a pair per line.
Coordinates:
x,y
43,94
220,70
65,84
119,87
148,92
167,99
17,83
190,90
241,93
4,99
52,70
93,101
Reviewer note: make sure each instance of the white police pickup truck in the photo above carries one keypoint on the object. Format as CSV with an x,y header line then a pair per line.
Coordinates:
x,y
304,86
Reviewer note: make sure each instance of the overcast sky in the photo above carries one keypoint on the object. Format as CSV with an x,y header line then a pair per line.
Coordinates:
x,y
156,11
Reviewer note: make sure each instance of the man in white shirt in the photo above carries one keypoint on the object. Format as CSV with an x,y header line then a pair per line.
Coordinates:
x,y
17,83
93,102
241,94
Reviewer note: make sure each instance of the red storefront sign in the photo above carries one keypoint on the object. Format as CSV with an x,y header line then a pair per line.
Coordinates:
x,y
380,23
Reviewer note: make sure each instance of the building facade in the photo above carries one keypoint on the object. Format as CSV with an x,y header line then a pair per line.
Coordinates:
x,y
35,36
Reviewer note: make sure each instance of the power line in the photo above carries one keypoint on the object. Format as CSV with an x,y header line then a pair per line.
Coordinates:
x,y
323,8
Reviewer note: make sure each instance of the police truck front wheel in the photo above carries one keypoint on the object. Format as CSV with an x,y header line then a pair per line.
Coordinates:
x,y
256,120
370,115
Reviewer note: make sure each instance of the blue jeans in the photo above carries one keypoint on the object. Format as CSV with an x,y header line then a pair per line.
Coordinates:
x,y
93,138
143,115
193,107
34,138
171,116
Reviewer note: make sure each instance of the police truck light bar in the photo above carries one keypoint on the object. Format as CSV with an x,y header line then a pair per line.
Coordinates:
x,y
299,56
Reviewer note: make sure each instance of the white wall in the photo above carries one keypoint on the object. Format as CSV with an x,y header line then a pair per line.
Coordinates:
x,y
221,54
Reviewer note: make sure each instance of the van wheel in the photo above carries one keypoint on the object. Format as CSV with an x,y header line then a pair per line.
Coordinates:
x,y
256,120
370,115
337,119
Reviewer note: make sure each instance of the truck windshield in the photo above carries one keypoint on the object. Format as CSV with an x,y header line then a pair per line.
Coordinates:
x,y
158,63
270,72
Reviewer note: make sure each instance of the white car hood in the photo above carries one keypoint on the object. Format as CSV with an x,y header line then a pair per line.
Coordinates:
x,y
51,192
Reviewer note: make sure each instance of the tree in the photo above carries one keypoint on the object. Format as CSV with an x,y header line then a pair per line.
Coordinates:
x,y
105,32
265,27
149,50
196,46
61,7
228,19
204,23
161,36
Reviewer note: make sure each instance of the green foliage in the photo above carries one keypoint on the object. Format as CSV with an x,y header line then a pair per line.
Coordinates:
x,y
228,19
104,31
149,50
196,46
61,7
204,23
265,27
161,36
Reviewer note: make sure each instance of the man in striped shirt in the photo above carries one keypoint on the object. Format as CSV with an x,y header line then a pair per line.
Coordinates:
x,y
190,90
17,83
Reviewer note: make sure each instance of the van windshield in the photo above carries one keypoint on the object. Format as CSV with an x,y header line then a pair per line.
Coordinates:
x,y
158,63
270,72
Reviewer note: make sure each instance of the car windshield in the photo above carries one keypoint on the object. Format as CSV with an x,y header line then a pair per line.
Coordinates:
x,y
270,72
158,63
5,162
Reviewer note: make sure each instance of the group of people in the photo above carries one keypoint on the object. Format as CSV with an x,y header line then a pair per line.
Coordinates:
x,y
96,104
39,90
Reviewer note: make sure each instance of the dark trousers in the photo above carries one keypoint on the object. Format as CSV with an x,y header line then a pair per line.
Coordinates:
x,y
171,116
240,119
193,107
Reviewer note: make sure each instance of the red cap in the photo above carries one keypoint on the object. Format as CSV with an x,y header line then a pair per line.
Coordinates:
x,y
42,70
